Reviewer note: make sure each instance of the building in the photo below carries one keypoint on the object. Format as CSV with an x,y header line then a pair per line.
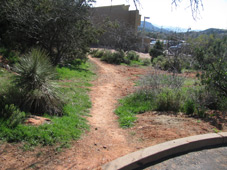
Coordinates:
x,y
119,13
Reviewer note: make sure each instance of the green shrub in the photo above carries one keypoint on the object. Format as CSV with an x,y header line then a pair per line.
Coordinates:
x,y
118,57
107,57
168,100
2,104
14,116
189,107
11,115
222,105
114,58
146,62
170,63
157,50
34,81
3,51
98,53
201,112
131,55
161,62
127,61
11,56
92,52
210,54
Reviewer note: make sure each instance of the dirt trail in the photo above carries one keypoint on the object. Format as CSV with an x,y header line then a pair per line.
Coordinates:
x,y
106,140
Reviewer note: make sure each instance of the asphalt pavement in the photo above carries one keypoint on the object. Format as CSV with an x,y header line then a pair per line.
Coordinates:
x,y
208,159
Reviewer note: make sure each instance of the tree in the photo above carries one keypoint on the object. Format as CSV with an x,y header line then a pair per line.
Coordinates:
x,y
60,27
211,56
194,4
119,36
157,50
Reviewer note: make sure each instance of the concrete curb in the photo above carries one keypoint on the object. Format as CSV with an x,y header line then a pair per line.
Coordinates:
x,y
154,153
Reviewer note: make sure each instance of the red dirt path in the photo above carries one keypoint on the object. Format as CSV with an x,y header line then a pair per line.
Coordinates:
x,y
106,140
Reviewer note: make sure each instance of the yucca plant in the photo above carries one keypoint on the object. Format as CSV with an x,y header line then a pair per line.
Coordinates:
x,y
34,81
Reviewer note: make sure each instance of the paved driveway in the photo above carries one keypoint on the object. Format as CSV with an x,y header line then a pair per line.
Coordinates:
x,y
209,159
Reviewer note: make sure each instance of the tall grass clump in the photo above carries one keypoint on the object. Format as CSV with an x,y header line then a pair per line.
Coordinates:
x,y
35,90
156,92
168,100
155,82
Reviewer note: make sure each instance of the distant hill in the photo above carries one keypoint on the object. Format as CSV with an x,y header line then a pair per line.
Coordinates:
x,y
149,27
213,31
175,29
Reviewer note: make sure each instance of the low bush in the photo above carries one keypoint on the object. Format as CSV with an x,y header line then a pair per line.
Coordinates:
x,y
189,107
146,62
168,100
13,116
98,53
114,58
11,56
157,50
94,51
155,82
119,57
222,105
34,81
131,55
160,62
107,57
168,63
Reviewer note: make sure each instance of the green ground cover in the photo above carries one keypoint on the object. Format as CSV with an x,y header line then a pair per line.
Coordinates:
x,y
73,83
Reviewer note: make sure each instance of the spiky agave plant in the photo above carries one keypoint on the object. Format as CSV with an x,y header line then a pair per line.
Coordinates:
x,y
34,80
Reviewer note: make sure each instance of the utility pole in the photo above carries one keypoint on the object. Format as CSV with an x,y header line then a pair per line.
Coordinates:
x,y
143,34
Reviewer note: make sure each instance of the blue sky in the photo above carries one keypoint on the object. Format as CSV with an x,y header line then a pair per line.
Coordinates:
x,y
163,13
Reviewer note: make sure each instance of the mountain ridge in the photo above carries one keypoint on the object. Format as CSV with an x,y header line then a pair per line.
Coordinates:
x,y
149,27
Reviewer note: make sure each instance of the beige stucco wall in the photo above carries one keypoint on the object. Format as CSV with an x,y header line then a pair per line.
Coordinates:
x,y
118,13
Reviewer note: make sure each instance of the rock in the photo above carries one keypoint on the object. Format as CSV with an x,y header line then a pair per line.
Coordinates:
x,y
36,121
7,66
140,127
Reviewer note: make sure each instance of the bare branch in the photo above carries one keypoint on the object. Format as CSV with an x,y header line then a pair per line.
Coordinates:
x,y
195,6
